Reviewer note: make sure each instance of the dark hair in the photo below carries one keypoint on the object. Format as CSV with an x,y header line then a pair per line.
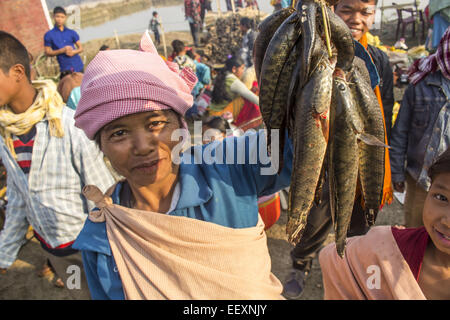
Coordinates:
x,y
13,52
190,54
177,46
219,93
104,47
441,165
154,13
247,22
59,10
218,123
365,1
64,73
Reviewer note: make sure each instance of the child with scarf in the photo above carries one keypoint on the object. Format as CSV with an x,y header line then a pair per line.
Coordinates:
x,y
48,162
389,263
181,225
422,128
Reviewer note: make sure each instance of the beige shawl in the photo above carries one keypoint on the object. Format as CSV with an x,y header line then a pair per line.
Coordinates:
x,y
48,103
160,256
373,268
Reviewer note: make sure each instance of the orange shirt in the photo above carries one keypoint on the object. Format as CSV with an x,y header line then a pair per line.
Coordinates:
x,y
387,186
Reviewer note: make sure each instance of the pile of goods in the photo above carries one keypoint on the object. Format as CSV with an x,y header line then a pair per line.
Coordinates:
x,y
312,84
224,36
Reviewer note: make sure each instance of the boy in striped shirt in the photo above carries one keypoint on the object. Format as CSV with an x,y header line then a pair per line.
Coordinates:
x,y
48,162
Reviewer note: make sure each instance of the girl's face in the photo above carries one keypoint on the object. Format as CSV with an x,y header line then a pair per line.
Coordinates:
x,y
238,71
139,146
436,212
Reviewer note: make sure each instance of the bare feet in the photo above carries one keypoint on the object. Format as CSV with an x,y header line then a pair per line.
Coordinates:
x,y
45,271
59,283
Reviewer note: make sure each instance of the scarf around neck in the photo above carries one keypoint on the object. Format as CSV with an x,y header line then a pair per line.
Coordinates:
x,y
48,103
440,60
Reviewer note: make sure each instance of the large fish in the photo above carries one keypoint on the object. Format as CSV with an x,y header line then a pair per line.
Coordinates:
x,y
343,40
371,157
277,54
344,170
307,10
310,146
267,29
279,117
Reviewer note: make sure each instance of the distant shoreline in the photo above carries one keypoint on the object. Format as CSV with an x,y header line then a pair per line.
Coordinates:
x,y
101,12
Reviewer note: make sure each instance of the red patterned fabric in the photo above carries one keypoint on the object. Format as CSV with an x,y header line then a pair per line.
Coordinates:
x,y
412,243
440,60
192,9
122,82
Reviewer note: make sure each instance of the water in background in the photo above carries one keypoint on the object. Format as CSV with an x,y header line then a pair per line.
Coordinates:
x,y
173,19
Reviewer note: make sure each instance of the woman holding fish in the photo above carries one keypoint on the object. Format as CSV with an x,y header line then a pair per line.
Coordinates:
x,y
177,227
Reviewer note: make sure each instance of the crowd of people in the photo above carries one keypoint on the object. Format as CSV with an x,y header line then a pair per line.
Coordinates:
x,y
93,167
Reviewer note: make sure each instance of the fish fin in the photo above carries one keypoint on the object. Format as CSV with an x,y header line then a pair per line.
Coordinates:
x,y
370,140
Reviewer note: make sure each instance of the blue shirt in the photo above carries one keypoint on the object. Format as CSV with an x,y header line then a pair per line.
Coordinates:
x,y
203,75
57,39
225,194
74,98
285,3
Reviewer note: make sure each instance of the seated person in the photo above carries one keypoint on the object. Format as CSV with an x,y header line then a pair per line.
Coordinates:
x,y
230,94
202,72
400,264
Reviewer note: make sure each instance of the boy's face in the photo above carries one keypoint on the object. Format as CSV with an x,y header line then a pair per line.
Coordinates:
x,y
436,212
8,87
359,16
60,19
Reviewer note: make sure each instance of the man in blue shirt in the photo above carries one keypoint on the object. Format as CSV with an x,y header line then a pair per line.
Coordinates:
x,y
64,43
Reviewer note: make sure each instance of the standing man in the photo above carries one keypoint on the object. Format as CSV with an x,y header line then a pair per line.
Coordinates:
x,y
248,39
440,13
422,130
192,12
359,15
64,43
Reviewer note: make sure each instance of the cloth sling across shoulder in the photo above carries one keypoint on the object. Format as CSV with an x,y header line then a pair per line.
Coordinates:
x,y
161,256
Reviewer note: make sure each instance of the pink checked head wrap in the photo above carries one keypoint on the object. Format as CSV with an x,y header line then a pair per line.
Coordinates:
x,y
123,82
